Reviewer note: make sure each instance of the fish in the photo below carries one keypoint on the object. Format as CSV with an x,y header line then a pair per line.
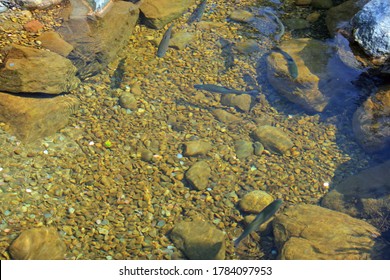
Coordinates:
x,y
280,34
164,44
198,13
291,65
261,218
223,90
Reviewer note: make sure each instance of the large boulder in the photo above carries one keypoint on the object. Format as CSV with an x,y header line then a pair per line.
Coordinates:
x,y
371,122
309,232
157,13
199,240
30,70
97,37
371,28
31,118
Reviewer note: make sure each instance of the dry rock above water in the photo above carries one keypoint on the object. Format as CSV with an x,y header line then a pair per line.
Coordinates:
x,y
32,70
308,232
371,122
199,240
38,244
32,118
157,13
38,4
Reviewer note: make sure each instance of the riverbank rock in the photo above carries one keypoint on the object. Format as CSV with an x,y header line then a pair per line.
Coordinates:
x,y
157,13
199,240
196,147
38,244
31,118
97,38
371,122
309,232
273,139
198,175
31,70
371,28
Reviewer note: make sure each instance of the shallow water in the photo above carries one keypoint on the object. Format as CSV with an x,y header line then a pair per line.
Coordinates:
x,y
95,182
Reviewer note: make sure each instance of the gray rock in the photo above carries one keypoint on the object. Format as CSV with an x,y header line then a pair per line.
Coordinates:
x,y
196,147
367,183
258,148
255,201
274,139
198,175
33,71
309,232
371,28
199,240
371,122
243,149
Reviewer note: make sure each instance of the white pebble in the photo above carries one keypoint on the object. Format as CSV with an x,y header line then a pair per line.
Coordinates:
x,y
326,184
46,152
91,143
1,169
28,190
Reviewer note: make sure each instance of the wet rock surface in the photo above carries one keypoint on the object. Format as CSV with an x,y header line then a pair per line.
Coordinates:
x,y
273,139
371,122
199,240
38,244
198,175
311,232
32,70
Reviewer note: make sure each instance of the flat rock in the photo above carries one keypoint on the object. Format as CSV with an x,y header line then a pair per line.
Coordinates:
x,y
38,244
274,139
53,42
157,13
196,147
371,122
199,240
31,70
309,232
32,118
181,39
241,16
226,117
198,175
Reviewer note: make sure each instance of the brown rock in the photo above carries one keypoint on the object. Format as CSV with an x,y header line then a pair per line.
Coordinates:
x,y
274,139
32,70
371,122
309,232
242,102
198,175
38,244
33,118
53,41
33,26
311,62
255,201
196,147
225,117
40,4
199,240
97,42
160,12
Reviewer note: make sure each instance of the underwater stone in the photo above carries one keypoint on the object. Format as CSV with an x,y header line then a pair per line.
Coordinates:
x,y
274,139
